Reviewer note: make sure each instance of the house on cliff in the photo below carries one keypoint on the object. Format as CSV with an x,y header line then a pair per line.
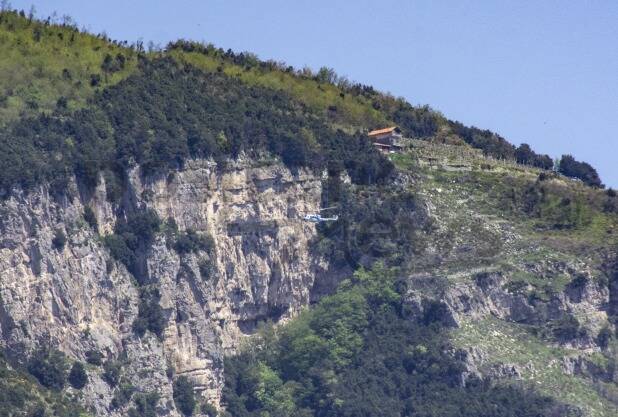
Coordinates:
x,y
387,139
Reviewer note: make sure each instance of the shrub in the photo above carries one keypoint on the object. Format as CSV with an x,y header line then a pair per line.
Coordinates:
x,y
119,249
525,155
190,241
59,239
112,371
184,397
209,410
90,218
569,167
207,269
604,337
145,405
77,376
150,315
566,328
49,368
395,365
122,396
94,357
131,236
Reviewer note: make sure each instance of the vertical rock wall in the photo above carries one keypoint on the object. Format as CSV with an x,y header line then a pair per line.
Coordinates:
x,y
77,298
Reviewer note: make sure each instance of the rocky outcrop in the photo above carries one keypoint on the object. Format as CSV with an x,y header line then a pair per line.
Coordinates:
x,y
76,298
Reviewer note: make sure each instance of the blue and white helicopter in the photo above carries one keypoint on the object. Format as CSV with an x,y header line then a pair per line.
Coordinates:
x,y
317,218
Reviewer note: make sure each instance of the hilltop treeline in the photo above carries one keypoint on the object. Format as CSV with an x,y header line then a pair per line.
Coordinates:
x,y
169,112
38,81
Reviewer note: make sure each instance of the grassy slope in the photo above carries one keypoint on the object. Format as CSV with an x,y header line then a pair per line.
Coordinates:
x,y
34,55
355,111
32,78
540,364
475,207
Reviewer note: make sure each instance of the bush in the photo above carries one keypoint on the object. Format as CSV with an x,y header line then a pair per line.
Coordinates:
x,y
566,328
207,269
158,118
525,155
119,249
59,239
131,236
145,405
112,371
90,218
190,241
77,376
49,368
94,357
604,337
122,396
581,170
150,315
184,397
209,410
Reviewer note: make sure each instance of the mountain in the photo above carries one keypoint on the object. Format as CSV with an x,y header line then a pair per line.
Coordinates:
x,y
155,260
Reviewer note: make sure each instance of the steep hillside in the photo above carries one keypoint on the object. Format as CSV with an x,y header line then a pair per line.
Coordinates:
x,y
154,259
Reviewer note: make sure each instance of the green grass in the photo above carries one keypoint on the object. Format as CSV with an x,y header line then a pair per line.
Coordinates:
x,y
352,112
404,161
539,364
41,63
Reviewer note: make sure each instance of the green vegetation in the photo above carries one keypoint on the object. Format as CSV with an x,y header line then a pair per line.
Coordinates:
x,y
375,223
145,405
21,395
49,67
150,315
83,93
49,367
140,120
122,395
132,236
539,365
73,103
59,239
77,376
90,217
358,353
184,396
581,170
112,371
190,241
94,357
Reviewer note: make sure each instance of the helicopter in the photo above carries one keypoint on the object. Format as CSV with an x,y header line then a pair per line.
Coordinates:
x,y
317,218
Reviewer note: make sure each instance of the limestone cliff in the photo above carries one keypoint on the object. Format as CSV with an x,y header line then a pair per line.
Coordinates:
x,y
78,299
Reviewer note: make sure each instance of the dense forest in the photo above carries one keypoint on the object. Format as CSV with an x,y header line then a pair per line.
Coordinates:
x,y
359,353
166,113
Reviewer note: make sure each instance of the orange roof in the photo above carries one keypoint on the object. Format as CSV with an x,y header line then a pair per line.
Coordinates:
x,y
382,131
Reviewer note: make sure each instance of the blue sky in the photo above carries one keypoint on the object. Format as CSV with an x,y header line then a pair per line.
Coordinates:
x,y
543,72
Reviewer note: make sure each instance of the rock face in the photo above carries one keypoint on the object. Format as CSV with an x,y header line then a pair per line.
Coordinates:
x,y
76,298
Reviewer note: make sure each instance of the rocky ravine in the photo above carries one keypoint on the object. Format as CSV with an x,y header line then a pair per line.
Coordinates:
x,y
78,298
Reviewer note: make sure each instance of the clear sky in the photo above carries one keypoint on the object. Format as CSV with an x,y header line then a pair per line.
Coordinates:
x,y
543,72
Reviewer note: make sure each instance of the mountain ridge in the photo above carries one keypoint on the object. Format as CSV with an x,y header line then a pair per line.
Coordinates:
x,y
154,259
